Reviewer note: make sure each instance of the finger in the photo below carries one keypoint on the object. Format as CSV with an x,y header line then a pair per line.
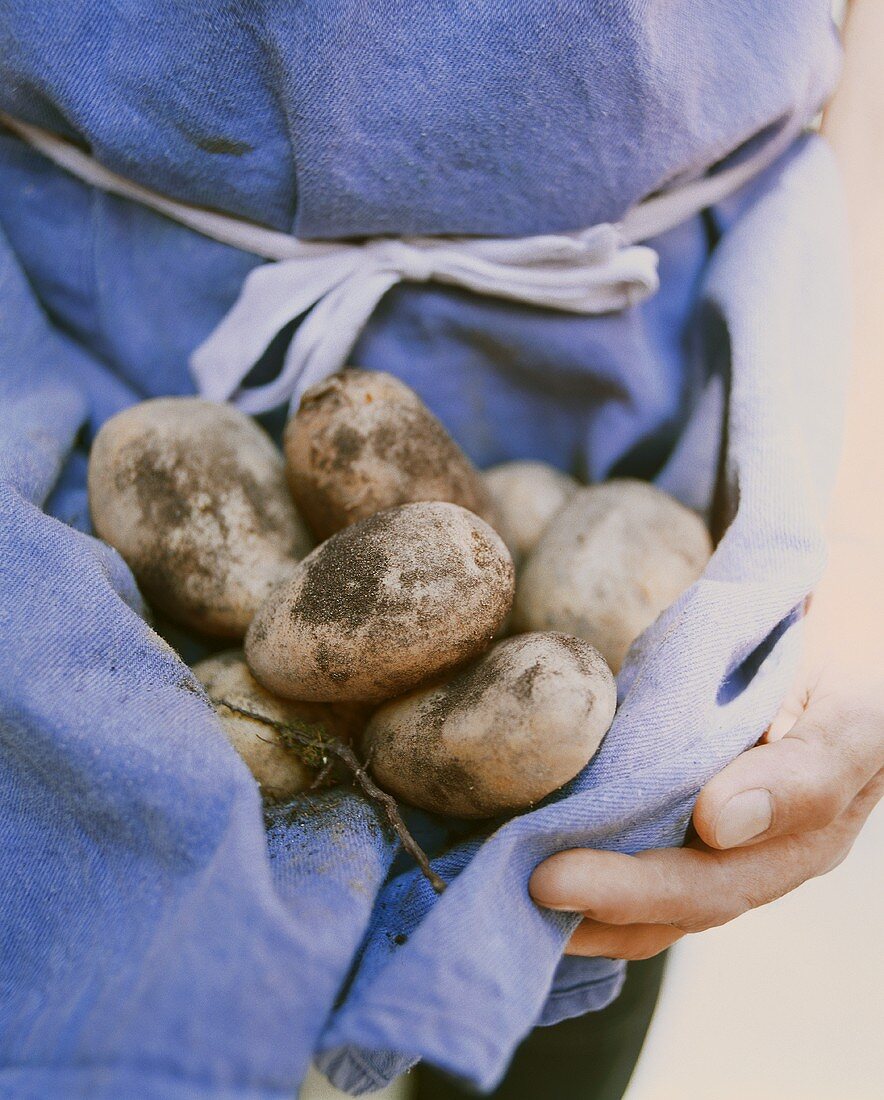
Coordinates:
x,y
690,888
799,783
792,709
631,941
665,886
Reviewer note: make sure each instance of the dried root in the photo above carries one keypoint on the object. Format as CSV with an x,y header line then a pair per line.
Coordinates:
x,y
320,750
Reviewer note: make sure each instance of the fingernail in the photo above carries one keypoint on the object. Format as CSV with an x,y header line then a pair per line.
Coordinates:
x,y
744,817
557,908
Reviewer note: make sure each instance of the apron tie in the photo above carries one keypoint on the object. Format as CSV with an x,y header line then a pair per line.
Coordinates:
x,y
335,286
589,272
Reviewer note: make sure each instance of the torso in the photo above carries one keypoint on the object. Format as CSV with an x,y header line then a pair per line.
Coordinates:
x,y
337,118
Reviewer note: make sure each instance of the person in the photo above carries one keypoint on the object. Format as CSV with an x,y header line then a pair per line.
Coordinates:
x,y
507,131
789,809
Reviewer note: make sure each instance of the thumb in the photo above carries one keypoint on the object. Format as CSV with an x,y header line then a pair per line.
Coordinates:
x,y
799,783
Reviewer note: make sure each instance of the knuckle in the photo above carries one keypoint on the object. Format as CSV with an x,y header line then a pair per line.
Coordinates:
x,y
794,862
747,899
847,730
815,794
701,922
708,913
820,801
862,709
666,888
835,859
753,887
729,904
832,849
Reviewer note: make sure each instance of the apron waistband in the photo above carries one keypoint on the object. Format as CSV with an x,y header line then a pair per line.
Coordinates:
x,y
338,284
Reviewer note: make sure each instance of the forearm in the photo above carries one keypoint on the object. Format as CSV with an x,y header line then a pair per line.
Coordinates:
x,y
854,126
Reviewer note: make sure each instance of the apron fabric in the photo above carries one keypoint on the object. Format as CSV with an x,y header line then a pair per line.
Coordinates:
x,y
333,288
159,937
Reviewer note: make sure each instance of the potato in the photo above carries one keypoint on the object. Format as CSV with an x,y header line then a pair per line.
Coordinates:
x,y
362,441
278,768
609,563
382,605
526,496
194,497
505,732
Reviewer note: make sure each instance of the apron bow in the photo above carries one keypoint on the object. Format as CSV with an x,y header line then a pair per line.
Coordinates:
x,y
335,288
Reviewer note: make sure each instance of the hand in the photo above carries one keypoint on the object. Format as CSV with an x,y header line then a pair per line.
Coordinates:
x,y
783,812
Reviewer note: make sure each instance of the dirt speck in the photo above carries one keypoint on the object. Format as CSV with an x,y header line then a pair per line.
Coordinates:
x,y
344,577
223,145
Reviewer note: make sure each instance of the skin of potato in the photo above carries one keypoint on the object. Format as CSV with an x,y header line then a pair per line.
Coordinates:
x,y
280,772
500,735
193,495
383,605
617,555
526,496
361,442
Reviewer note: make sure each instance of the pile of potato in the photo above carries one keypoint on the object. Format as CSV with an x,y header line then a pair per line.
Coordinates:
x,y
371,575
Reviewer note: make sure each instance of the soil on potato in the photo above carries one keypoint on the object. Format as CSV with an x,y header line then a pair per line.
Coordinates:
x,y
178,498
344,580
412,441
346,585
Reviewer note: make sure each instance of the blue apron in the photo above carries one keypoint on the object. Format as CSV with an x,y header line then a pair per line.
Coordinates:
x,y
159,937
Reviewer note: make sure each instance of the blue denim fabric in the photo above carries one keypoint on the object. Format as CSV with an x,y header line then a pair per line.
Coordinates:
x,y
160,938
340,117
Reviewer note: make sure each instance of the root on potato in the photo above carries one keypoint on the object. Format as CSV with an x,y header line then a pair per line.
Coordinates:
x,y
280,771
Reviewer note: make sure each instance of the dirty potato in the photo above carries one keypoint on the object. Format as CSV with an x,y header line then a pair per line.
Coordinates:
x,y
278,767
382,605
526,496
362,441
503,733
615,557
193,495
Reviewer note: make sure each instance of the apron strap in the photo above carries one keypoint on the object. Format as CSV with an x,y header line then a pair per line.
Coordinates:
x,y
338,284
